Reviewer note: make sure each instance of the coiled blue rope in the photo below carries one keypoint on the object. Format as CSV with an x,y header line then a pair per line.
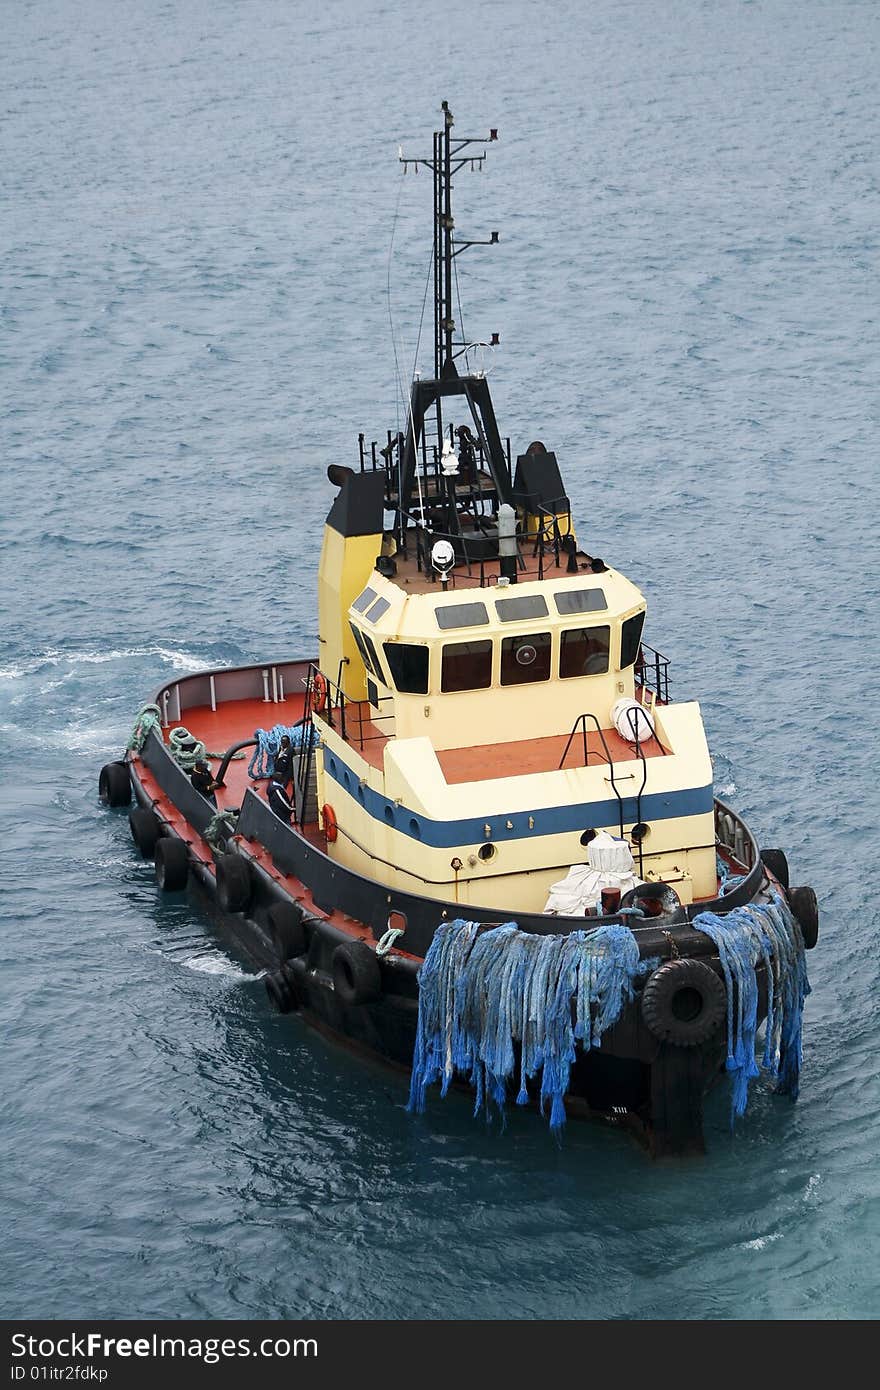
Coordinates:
x,y
262,762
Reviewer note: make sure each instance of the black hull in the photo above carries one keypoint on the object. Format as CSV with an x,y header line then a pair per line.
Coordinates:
x,y
653,1089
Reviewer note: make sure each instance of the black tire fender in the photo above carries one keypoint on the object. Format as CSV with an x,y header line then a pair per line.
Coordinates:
x,y
684,1002
280,992
146,829
114,784
172,864
357,977
287,930
776,862
806,909
233,883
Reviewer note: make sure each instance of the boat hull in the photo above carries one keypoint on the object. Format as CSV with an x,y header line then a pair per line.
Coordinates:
x,y
635,1080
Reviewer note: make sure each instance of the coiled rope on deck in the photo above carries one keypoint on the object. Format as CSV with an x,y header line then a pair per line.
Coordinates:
x,y
219,828
262,762
186,749
148,717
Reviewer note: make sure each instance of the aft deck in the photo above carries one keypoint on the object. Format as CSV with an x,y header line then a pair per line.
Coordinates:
x,y
236,720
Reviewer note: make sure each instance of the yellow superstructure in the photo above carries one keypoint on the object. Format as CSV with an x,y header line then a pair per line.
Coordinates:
x,y
451,775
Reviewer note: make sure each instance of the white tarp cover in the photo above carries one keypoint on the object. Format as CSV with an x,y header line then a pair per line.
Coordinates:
x,y
610,865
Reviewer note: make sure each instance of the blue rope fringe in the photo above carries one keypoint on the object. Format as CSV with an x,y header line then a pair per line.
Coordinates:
x,y
745,937
481,993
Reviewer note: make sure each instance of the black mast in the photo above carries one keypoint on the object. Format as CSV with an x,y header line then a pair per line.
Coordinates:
x,y
451,154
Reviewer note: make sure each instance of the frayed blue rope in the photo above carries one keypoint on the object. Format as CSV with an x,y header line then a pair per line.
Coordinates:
x,y
263,761
483,993
746,937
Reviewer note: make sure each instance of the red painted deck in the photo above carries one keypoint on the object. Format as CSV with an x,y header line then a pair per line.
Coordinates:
x,y
236,720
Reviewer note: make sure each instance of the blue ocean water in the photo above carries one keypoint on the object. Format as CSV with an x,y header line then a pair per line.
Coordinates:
x,y
195,223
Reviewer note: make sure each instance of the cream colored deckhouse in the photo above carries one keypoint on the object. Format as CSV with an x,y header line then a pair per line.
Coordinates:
x,y
465,704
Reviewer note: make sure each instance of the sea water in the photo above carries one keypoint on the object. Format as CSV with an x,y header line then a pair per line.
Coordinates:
x,y
210,260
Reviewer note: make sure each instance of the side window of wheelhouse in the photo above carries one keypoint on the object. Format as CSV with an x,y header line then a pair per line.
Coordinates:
x,y
408,665
630,638
365,655
525,658
375,663
584,651
466,666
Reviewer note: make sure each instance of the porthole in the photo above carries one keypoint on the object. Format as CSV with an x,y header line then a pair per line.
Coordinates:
x,y
362,795
587,836
389,814
640,832
487,852
332,762
346,777
414,828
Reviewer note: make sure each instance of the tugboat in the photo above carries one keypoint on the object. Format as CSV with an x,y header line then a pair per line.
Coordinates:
x,y
474,834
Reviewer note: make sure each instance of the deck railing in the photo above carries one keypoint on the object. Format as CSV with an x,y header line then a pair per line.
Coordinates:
x,y
652,672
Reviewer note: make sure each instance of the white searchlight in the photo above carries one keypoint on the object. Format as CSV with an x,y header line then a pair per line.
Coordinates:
x,y
442,559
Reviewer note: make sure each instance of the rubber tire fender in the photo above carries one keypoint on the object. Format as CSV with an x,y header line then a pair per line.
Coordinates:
x,y
776,862
146,829
684,1002
806,909
287,930
280,992
233,883
357,977
114,784
172,864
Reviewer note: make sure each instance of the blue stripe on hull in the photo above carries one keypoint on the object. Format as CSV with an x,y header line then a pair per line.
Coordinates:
x,y
548,820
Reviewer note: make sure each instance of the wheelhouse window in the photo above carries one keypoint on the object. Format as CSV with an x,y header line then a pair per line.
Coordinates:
x,y
525,659
374,659
466,666
364,600
584,651
580,601
379,608
408,665
630,639
462,615
361,646
521,608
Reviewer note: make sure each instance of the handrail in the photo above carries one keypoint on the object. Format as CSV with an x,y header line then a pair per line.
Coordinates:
x,y
656,669
582,721
632,716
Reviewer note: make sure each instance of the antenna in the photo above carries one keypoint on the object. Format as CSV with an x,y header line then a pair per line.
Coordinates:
x,y
448,158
